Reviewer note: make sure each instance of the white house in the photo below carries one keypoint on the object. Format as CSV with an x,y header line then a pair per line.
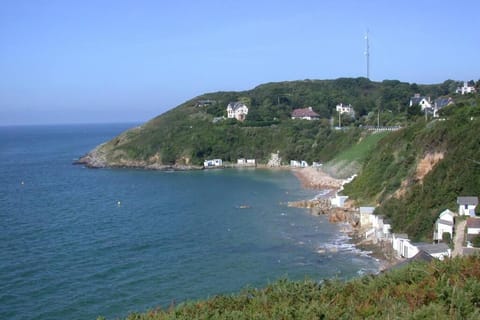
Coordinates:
x,y
441,103
467,205
473,229
423,102
298,164
403,247
343,108
443,224
465,89
338,200
436,250
213,163
246,162
366,216
305,114
237,110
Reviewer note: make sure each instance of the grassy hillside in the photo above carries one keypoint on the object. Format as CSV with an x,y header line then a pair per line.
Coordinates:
x,y
417,172
439,290
188,133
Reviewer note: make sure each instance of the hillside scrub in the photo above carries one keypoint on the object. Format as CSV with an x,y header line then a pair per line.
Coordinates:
x,y
394,165
439,290
188,133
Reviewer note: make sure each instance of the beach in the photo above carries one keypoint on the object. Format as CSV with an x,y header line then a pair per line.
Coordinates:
x,y
316,178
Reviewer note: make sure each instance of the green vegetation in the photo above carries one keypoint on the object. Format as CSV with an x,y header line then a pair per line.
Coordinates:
x,y
350,160
392,177
190,133
439,290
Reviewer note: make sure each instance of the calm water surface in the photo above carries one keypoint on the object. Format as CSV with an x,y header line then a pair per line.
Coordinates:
x,y
76,243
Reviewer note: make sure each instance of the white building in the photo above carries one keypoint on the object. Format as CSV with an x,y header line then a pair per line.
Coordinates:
x,y
366,216
467,205
437,250
298,164
237,110
403,247
212,163
338,200
465,89
343,108
423,102
246,162
444,224
473,229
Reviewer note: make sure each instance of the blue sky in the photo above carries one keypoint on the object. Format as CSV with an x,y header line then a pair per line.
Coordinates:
x,y
118,61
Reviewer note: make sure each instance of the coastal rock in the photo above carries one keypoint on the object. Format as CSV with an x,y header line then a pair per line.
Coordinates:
x,y
320,206
337,215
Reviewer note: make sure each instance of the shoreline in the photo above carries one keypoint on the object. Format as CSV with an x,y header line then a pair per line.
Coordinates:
x,y
317,179
310,178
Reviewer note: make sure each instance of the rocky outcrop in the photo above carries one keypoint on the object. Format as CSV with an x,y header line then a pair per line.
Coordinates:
x,y
336,215
97,158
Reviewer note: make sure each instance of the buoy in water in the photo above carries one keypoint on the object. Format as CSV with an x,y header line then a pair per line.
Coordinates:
x,y
119,203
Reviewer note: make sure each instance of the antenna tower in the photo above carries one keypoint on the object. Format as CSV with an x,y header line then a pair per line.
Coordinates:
x,y
367,54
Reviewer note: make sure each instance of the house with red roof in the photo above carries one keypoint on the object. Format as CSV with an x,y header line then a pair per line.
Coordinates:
x,y
305,114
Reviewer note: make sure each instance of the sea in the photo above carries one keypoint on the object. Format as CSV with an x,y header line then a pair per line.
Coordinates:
x,y
78,243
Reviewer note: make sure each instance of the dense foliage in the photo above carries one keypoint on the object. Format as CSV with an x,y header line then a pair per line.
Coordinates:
x,y
197,129
439,290
393,167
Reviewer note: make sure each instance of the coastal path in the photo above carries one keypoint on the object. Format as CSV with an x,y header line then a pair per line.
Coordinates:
x,y
458,239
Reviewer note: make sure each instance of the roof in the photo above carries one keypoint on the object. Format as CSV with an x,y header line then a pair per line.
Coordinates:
x,y
236,105
421,256
445,222
401,235
473,223
443,102
447,211
415,100
432,248
467,200
367,209
305,112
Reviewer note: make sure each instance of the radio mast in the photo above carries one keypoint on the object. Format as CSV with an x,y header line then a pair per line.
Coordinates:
x,y
367,54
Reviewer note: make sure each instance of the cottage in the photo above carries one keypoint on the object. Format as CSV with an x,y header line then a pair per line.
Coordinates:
x,y
343,108
237,110
213,163
444,224
403,247
305,114
298,164
423,102
473,229
338,200
465,89
366,216
246,162
441,103
436,250
467,205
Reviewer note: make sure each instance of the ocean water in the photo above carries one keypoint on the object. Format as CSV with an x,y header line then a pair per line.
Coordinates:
x,y
76,243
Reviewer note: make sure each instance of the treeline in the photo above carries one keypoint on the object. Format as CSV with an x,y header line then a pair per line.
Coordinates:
x,y
438,290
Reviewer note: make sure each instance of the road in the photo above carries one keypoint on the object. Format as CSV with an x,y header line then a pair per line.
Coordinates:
x,y
458,239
